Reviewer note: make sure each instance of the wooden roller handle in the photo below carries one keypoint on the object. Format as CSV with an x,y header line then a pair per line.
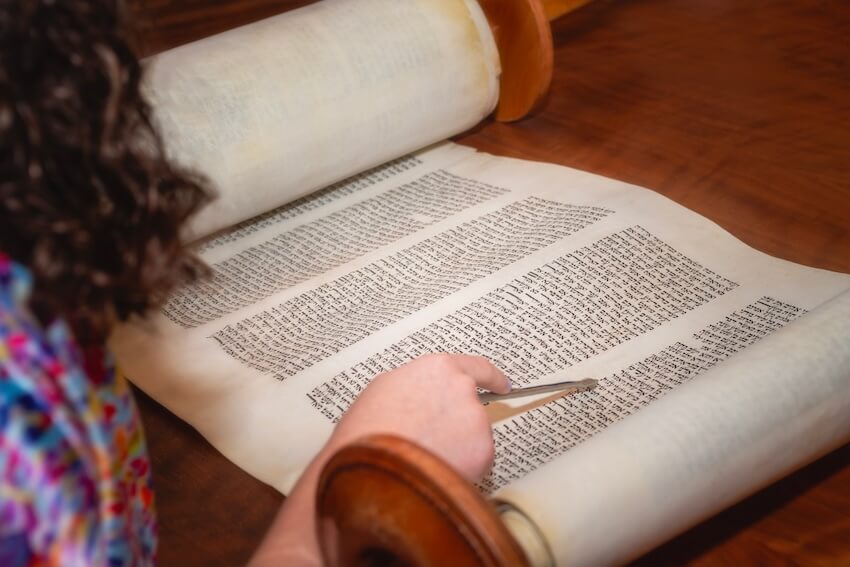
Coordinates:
x,y
386,501
524,39
556,8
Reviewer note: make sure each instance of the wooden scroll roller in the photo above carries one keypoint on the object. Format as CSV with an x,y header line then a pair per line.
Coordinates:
x,y
524,39
386,501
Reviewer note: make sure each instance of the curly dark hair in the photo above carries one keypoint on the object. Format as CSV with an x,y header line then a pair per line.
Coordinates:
x,y
88,201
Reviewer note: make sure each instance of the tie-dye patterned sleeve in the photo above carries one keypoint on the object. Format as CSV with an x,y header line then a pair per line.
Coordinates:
x,y
74,478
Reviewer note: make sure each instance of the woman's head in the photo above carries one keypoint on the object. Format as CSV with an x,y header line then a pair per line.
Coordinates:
x,y
88,201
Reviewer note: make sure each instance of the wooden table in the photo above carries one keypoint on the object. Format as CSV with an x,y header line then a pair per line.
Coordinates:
x,y
739,110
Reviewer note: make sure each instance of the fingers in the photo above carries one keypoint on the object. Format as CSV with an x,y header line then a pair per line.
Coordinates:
x,y
432,401
483,372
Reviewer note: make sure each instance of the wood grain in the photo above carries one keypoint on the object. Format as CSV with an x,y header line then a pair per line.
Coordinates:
x,y
557,8
737,109
386,500
524,39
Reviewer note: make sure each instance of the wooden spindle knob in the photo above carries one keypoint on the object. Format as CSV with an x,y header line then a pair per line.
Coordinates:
x,y
386,501
524,40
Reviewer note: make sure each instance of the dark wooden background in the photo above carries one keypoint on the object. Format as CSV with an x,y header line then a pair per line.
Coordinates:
x,y
737,109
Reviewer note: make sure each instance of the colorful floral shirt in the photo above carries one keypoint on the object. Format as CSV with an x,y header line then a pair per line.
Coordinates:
x,y
74,479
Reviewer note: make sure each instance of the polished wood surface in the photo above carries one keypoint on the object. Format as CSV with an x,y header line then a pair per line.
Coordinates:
x,y
556,8
738,109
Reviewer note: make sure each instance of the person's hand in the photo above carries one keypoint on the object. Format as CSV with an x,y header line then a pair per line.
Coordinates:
x,y
433,402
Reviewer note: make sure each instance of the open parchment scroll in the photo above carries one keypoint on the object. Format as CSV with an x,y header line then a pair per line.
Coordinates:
x,y
721,369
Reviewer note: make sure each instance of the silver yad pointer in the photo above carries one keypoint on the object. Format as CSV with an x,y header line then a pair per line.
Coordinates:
x,y
566,387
